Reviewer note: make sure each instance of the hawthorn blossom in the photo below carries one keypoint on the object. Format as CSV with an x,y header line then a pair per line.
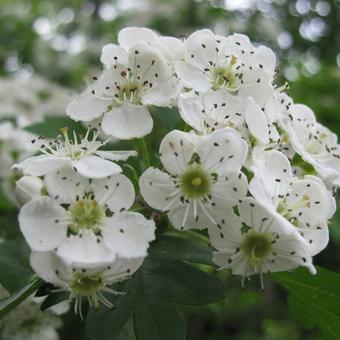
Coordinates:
x,y
304,202
257,241
136,79
219,109
212,62
82,154
170,47
85,221
84,284
316,144
28,187
203,176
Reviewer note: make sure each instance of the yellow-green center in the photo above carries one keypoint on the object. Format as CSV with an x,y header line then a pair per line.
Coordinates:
x,y
86,214
256,246
86,285
195,183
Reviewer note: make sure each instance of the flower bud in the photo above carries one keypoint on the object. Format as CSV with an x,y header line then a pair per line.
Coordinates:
x,y
27,188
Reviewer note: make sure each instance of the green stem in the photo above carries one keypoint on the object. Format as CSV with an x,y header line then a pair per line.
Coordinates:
x,y
145,151
14,300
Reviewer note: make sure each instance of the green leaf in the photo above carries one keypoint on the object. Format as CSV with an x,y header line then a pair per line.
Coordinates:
x,y
14,265
53,299
50,127
180,282
14,300
112,321
150,299
179,248
319,296
155,321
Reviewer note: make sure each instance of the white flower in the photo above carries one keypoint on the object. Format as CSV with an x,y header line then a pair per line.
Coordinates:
x,y
82,154
219,109
212,62
203,176
85,220
305,203
257,241
314,142
171,48
138,78
27,188
85,284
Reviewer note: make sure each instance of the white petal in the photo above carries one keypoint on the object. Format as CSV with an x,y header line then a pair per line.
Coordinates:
x,y
42,164
87,107
43,223
256,121
113,54
190,108
187,216
85,249
27,188
266,57
121,268
127,122
148,63
174,47
128,234
116,155
65,185
162,94
222,151
317,238
130,36
156,188
229,189
46,265
176,151
192,77
95,167
226,235
116,192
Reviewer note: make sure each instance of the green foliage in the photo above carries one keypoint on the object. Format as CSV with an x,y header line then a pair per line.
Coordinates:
x,y
151,298
314,300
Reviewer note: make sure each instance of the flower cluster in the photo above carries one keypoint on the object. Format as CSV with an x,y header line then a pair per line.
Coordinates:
x,y
256,171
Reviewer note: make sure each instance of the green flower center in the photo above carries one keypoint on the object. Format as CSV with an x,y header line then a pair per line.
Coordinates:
x,y
256,246
195,183
86,214
86,285
224,77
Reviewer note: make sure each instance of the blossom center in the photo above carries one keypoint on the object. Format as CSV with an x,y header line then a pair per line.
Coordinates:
x,y
129,91
86,214
224,77
195,183
256,246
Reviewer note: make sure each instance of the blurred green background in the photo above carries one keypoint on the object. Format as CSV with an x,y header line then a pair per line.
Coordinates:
x,y
61,40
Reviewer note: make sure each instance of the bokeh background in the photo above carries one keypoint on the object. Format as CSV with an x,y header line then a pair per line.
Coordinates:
x,y
61,41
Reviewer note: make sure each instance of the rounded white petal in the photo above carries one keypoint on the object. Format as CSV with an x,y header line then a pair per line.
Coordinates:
x,y
127,122
176,150
317,238
128,234
173,46
222,151
116,155
42,164
192,77
158,188
50,268
65,185
87,107
95,167
122,268
256,122
190,108
85,250
43,223
27,188
115,192
113,54
130,36
193,215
